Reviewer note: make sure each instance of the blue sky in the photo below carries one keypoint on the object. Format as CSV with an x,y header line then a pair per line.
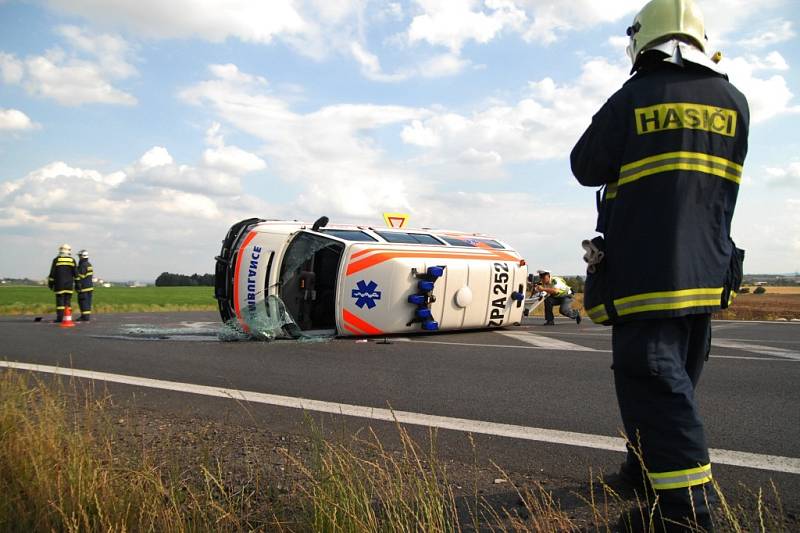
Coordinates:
x,y
141,129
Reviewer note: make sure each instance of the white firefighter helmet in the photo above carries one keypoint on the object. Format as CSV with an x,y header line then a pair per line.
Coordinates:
x,y
542,271
65,249
83,254
661,20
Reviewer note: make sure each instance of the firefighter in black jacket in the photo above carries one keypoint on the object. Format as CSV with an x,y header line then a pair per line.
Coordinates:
x,y
84,285
62,277
667,150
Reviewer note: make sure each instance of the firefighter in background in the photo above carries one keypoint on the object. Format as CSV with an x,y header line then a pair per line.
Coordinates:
x,y
558,293
667,150
62,277
84,285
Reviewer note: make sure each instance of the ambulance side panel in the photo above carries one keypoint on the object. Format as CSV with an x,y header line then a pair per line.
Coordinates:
x,y
474,291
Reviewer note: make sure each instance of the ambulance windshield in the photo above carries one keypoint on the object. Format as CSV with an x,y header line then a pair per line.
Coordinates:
x,y
307,283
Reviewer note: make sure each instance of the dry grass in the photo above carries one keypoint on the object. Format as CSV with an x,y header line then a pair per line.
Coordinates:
x,y
768,306
776,290
62,469
777,303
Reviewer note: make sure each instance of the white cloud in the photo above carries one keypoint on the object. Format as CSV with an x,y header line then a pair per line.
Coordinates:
x,y
330,151
212,20
230,72
371,65
543,125
394,10
530,230
451,23
447,64
552,18
771,237
442,65
112,52
15,120
768,97
157,169
165,215
158,156
785,176
418,134
724,19
777,31
11,68
230,159
70,79
71,82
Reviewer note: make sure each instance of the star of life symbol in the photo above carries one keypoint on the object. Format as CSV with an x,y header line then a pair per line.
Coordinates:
x,y
365,294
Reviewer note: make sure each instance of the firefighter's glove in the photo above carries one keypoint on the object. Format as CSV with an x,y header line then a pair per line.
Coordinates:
x,y
594,255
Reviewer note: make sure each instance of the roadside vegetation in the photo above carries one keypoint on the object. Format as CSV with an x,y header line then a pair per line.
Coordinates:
x,y
71,461
25,300
768,303
776,303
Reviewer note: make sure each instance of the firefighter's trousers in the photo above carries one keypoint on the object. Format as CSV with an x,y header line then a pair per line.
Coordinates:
x,y
85,303
62,302
657,364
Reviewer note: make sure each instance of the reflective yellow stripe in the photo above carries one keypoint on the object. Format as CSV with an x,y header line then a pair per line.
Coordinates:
x,y
561,291
598,314
87,290
668,300
694,161
64,292
679,479
86,312
60,308
611,190
672,155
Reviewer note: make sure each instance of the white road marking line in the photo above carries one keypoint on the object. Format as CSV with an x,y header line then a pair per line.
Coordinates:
x,y
541,341
481,345
754,358
756,348
789,465
517,347
756,322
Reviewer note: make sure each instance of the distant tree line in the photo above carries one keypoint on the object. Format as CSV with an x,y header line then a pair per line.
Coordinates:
x,y
168,279
576,282
21,281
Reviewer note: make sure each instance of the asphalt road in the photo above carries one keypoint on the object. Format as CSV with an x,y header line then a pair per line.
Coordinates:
x,y
529,377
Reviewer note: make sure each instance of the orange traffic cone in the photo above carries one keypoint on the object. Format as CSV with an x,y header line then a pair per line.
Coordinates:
x,y
67,321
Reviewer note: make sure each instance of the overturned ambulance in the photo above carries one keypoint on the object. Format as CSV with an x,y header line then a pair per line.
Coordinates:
x,y
352,280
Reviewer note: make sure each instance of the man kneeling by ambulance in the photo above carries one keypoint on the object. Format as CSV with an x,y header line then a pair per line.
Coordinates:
x,y
558,293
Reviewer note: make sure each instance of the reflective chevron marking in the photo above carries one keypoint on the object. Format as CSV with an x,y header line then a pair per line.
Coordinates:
x,y
540,341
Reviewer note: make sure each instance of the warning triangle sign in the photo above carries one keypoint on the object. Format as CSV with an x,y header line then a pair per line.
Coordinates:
x,y
395,220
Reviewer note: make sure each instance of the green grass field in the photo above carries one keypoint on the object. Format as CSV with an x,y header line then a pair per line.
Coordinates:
x,y
20,300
